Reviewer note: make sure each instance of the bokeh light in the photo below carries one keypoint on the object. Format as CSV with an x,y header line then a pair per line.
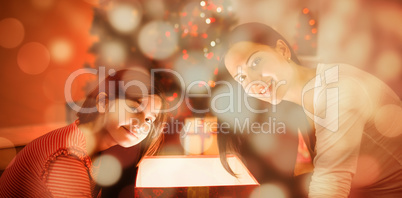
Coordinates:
x,y
124,17
155,8
367,171
33,58
270,190
193,17
11,32
154,41
388,120
358,49
42,4
114,54
195,138
389,65
61,50
109,170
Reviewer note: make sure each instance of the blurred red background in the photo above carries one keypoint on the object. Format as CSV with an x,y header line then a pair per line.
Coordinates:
x,y
42,42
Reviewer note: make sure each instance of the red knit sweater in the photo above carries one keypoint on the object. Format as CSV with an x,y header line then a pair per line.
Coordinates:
x,y
53,165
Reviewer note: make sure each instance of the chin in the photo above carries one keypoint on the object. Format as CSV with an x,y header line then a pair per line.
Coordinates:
x,y
128,144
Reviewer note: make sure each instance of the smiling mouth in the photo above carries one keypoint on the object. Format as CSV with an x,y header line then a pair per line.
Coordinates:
x,y
266,91
130,132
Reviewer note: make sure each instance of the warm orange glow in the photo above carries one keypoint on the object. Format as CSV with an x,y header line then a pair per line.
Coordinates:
x,y
307,37
314,30
11,33
311,22
204,171
211,83
306,11
33,58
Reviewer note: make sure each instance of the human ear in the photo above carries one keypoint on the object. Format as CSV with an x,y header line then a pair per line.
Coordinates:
x,y
101,102
283,49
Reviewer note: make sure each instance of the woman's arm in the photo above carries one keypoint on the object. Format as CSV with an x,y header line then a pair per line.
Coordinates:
x,y
68,177
339,130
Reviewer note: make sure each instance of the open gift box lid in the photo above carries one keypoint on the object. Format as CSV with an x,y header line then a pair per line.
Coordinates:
x,y
188,176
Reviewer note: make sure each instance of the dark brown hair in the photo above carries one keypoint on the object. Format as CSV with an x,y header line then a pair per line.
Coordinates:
x,y
229,143
258,33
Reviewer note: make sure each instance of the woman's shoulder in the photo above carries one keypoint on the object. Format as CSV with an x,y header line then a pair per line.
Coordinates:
x,y
341,71
64,137
67,140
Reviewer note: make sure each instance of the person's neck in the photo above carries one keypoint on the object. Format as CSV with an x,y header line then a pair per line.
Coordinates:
x,y
97,138
302,76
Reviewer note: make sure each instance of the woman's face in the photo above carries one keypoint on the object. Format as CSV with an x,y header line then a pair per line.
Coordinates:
x,y
264,72
128,122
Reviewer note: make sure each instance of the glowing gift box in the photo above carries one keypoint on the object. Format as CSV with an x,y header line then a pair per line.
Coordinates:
x,y
199,136
192,176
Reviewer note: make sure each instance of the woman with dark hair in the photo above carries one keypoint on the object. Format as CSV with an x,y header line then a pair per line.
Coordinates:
x,y
123,110
355,118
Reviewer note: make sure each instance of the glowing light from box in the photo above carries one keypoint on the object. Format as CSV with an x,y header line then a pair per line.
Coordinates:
x,y
171,149
197,135
182,172
195,144
389,126
11,32
154,43
125,17
109,170
61,50
195,18
33,58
